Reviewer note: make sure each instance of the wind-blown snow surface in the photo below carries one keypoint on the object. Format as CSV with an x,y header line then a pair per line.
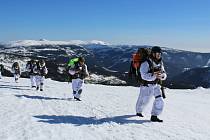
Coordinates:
x,y
106,112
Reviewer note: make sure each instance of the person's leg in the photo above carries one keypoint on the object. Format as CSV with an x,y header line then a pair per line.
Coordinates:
x,y
143,99
37,79
16,77
79,87
157,105
33,82
74,87
41,82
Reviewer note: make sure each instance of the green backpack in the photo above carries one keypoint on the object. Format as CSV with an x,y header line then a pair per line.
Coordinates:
x,y
72,62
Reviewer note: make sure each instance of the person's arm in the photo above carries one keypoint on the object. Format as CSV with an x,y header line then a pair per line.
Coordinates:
x,y
163,73
35,70
73,71
86,71
28,68
144,70
19,72
45,70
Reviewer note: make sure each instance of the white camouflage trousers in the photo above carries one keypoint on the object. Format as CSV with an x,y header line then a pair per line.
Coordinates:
x,y
146,92
77,87
33,80
16,76
39,81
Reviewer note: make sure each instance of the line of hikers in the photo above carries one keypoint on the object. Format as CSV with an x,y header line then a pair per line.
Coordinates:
x,y
37,71
146,66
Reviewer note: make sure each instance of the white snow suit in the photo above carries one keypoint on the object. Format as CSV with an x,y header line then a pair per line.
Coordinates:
x,y
150,90
29,68
40,72
16,72
78,78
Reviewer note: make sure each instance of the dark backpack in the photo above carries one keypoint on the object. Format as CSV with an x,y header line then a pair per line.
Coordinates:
x,y
138,58
16,68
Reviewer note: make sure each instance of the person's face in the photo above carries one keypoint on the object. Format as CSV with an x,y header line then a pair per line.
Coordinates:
x,y
157,55
41,64
81,62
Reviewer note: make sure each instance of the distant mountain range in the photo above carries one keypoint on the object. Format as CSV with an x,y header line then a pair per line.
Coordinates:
x,y
107,63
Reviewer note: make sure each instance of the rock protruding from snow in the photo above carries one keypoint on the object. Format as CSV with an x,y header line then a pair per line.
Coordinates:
x,y
100,79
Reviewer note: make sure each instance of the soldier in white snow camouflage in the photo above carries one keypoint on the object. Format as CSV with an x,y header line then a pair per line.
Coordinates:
x,y
152,72
78,71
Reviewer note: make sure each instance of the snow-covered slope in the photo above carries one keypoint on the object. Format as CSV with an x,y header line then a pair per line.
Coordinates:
x,y
106,112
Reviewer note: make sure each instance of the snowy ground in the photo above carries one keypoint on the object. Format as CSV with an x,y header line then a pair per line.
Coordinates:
x,y
105,113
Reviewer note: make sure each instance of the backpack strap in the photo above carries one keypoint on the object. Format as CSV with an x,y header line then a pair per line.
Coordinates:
x,y
151,70
151,67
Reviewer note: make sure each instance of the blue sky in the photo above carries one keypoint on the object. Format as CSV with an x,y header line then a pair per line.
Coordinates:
x,y
181,24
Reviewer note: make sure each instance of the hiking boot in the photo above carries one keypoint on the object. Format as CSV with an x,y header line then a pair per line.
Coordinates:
x,y
41,89
139,114
33,86
37,88
16,80
77,99
155,119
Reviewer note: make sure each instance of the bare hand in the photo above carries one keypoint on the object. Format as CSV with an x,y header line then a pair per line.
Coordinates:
x,y
158,75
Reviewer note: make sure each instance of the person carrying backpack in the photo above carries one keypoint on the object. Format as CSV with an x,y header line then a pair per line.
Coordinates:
x,y
1,70
78,72
16,71
30,69
151,72
40,71
137,58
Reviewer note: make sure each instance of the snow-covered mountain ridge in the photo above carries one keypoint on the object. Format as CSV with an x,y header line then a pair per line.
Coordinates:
x,y
43,42
104,60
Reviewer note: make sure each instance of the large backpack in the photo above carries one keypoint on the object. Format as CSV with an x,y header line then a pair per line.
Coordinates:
x,y
16,68
71,63
137,59
42,68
